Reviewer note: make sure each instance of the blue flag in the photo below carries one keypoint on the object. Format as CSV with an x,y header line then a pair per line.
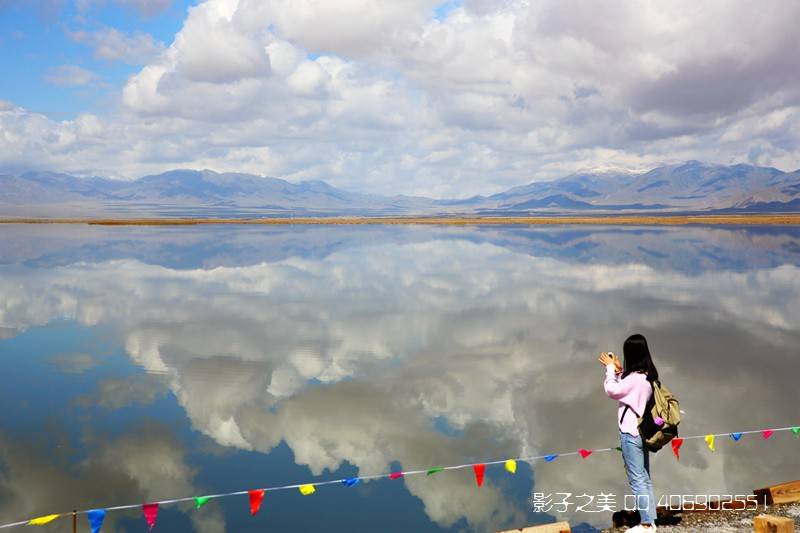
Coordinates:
x,y
96,517
550,458
736,436
349,482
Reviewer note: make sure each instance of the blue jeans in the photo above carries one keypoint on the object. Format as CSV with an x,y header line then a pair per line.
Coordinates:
x,y
637,465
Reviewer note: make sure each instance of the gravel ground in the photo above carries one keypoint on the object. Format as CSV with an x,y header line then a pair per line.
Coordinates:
x,y
723,521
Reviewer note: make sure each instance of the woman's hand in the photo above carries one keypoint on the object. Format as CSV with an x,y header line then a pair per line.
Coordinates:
x,y
607,359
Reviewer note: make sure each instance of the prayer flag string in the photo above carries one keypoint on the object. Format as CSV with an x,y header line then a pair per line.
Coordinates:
x,y
96,517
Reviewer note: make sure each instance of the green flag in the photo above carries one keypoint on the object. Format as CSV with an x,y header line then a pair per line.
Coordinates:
x,y
201,501
434,470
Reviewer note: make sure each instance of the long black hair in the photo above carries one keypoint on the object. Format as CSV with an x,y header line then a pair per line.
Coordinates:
x,y
637,357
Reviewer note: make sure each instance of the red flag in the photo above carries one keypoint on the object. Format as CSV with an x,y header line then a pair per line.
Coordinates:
x,y
585,453
676,446
395,475
150,512
479,470
767,433
256,497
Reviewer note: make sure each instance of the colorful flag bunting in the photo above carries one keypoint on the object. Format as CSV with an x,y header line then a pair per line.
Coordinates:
x,y
256,497
95,518
479,470
150,512
42,520
676,446
618,448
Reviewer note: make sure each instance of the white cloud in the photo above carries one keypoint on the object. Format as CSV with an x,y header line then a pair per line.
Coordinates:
x,y
365,94
112,44
210,48
70,76
147,8
344,27
308,79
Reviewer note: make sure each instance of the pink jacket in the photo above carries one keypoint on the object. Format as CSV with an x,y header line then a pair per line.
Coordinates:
x,y
634,391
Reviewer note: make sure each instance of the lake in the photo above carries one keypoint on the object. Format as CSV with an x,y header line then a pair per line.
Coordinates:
x,y
148,363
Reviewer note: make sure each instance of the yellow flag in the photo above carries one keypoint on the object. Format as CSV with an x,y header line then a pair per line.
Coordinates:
x,y
710,441
42,520
305,490
511,465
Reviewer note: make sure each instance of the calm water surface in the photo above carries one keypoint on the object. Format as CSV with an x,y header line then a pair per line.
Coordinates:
x,y
148,363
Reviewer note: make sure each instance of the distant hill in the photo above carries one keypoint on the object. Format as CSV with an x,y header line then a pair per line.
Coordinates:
x,y
688,187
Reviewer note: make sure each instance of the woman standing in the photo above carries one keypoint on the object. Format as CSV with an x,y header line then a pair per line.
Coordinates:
x,y
631,385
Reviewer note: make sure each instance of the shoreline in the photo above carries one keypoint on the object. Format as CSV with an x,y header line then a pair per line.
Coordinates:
x,y
644,220
730,521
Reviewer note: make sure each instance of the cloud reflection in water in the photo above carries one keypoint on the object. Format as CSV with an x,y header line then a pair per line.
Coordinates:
x,y
360,354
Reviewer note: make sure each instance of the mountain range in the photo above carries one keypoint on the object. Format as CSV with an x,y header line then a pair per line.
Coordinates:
x,y
690,187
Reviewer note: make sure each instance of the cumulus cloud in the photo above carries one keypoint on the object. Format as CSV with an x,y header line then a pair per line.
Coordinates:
x,y
386,97
345,27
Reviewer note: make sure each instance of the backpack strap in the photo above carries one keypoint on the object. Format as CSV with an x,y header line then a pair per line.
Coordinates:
x,y
652,399
625,411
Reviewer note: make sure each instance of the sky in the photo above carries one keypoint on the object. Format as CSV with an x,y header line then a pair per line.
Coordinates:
x,y
443,99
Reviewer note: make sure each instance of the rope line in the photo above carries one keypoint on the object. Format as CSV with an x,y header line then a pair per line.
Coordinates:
x,y
404,473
